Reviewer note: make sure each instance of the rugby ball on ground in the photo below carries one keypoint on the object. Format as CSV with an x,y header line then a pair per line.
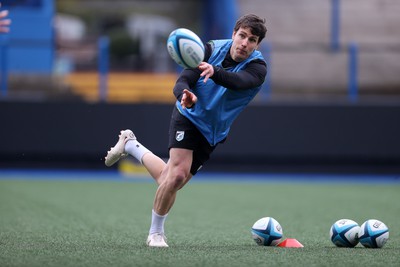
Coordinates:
x,y
373,234
344,233
267,232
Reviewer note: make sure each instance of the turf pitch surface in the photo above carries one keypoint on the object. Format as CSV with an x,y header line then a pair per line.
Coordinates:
x,y
102,219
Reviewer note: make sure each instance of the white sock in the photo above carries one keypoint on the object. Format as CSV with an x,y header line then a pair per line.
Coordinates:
x,y
136,149
157,223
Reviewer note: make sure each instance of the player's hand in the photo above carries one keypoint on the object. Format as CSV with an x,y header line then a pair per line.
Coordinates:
x,y
207,70
188,99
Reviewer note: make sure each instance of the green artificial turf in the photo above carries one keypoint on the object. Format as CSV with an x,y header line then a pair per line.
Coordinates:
x,y
105,223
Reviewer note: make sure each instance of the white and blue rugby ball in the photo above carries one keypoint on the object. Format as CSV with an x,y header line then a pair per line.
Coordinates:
x,y
185,48
373,234
344,233
267,232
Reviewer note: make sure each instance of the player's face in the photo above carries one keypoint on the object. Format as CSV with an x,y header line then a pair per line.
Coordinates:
x,y
244,43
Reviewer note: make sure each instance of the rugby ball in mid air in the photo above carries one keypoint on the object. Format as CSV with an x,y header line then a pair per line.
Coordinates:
x,y
185,48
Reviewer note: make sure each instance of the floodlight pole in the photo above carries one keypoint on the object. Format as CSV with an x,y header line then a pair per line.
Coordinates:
x,y
353,72
335,25
4,66
266,89
103,58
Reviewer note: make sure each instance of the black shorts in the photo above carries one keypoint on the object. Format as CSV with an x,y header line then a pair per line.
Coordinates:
x,y
184,134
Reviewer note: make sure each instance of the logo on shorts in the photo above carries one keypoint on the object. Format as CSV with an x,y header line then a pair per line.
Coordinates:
x,y
179,135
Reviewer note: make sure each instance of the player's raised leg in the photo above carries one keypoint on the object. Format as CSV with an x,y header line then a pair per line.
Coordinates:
x,y
118,151
128,144
155,166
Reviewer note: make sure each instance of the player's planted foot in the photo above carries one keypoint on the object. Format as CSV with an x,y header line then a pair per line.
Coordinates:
x,y
118,151
157,240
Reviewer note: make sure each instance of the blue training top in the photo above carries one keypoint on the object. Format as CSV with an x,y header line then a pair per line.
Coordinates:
x,y
217,107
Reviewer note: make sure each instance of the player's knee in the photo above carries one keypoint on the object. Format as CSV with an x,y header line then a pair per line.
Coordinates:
x,y
178,179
